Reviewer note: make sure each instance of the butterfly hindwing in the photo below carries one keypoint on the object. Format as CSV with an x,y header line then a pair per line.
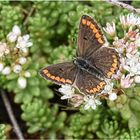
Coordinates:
x,y
88,83
105,59
90,37
62,73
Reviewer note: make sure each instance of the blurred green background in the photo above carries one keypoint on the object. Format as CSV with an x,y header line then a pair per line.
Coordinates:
x,y
53,28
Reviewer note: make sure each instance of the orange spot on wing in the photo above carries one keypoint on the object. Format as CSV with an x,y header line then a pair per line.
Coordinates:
x,y
95,30
112,70
88,23
115,60
100,41
95,89
114,56
92,26
48,74
57,78
87,90
84,21
62,80
91,91
97,35
109,74
114,65
68,81
98,87
52,77
45,71
102,84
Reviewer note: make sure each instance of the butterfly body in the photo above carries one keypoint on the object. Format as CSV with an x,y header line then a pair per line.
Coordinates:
x,y
93,64
84,65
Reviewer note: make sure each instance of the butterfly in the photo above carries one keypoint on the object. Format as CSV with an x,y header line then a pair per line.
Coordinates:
x,y
92,65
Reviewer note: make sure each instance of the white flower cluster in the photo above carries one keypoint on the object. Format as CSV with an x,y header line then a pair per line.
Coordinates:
x,y
16,44
129,72
78,99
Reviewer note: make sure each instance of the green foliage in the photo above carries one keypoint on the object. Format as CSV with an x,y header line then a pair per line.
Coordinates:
x,y
41,118
83,125
132,134
128,105
2,131
110,128
53,28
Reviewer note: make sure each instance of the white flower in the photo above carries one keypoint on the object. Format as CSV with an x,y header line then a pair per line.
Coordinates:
x,y
112,96
22,82
27,74
22,42
16,30
1,66
3,49
6,70
126,81
129,20
119,44
12,36
108,87
131,64
17,68
110,29
91,102
67,91
137,42
22,60
137,79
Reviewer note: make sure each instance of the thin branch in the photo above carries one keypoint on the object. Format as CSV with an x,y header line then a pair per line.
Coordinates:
x,y
29,14
11,115
123,5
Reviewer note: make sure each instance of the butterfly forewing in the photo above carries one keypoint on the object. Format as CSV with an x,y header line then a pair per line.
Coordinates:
x,y
105,59
90,37
88,83
62,73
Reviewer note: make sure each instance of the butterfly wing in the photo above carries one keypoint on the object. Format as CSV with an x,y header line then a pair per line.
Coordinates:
x,y
106,60
62,73
90,37
88,83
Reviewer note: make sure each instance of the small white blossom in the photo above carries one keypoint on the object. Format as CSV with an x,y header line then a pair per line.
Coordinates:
x,y
27,74
91,102
126,81
6,70
3,49
137,79
67,91
22,82
17,68
22,60
1,66
108,87
110,29
23,42
137,42
16,30
12,36
129,20
112,96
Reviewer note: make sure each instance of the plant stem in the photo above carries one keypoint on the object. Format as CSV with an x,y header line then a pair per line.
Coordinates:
x,y
123,5
11,115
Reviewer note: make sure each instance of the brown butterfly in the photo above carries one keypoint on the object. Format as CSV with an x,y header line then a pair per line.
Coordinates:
x,y
93,62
